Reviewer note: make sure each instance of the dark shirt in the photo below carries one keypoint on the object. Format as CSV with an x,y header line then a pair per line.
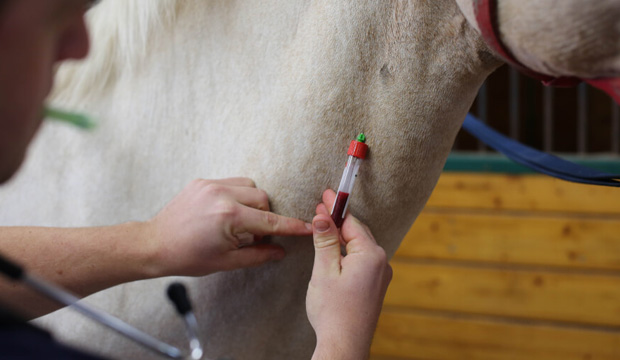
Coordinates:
x,y
22,341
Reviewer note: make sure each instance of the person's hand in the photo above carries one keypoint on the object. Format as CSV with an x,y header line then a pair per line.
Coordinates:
x,y
213,225
345,294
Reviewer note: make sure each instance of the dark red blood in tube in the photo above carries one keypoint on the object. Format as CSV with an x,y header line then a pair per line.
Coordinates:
x,y
339,207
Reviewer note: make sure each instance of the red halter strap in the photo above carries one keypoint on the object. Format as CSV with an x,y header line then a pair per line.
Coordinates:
x,y
486,16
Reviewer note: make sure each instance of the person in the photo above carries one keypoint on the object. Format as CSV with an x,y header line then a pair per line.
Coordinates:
x,y
198,233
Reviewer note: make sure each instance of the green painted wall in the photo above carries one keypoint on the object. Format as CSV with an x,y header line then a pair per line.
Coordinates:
x,y
498,163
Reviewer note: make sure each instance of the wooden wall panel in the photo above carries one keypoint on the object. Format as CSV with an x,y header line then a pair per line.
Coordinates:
x,y
517,238
526,294
521,192
411,335
507,267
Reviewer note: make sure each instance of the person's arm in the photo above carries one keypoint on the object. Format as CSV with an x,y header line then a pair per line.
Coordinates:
x,y
345,294
198,233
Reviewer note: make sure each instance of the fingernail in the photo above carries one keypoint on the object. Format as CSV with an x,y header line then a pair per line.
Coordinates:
x,y
309,226
321,226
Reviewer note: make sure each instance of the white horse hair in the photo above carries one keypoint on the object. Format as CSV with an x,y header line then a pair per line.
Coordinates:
x,y
271,90
123,33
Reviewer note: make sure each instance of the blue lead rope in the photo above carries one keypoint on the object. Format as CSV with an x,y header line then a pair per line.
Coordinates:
x,y
537,160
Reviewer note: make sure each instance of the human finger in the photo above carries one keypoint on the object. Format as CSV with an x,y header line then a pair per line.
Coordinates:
x,y
322,209
328,201
326,246
248,196
259,222
234,181
356,235
329,196
360,226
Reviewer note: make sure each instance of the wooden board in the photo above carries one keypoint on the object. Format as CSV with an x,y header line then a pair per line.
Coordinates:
x,y
523,238
558,296
431,336
522,192
507,267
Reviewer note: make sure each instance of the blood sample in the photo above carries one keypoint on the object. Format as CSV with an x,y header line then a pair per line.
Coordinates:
x,y
357,153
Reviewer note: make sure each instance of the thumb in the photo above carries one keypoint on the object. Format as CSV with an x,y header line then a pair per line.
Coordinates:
x,y
326,246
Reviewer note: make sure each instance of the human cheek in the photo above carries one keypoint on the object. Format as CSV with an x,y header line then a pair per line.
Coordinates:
x,y
35,86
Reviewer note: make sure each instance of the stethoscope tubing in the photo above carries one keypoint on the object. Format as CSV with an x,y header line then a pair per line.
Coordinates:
x,y
64,297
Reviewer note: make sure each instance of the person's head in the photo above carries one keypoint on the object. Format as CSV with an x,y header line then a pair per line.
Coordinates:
x,y
35,35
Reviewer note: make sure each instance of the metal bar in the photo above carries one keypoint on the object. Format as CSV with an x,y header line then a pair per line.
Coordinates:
x,y
548,118
101,317
192,330
615,127
482,110
582,119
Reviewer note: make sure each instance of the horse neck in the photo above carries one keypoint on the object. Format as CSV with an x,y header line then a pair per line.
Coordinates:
x,y
414,69
403,72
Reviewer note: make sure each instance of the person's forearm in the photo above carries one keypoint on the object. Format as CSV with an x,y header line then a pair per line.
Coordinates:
x,y
341,349
82,260
196,234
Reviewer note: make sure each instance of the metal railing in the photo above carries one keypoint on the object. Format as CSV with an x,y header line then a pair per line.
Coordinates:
x,y
577,121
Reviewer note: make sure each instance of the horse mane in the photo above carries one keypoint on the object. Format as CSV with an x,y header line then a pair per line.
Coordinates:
x,y
121,33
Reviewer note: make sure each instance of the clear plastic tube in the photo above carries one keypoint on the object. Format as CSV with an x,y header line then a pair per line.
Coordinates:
x,y
357,152
344,190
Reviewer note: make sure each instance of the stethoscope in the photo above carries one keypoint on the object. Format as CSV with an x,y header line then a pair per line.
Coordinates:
x,y
176,292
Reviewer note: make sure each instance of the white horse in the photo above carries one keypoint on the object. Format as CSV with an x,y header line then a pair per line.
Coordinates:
x,y
271,90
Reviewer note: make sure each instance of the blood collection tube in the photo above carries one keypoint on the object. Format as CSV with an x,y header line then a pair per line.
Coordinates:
x,y
357,153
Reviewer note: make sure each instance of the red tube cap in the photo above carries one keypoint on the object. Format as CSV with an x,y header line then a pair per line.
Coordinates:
x,y
358,148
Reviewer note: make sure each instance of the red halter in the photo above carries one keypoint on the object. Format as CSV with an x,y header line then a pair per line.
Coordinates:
x,y
486,16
